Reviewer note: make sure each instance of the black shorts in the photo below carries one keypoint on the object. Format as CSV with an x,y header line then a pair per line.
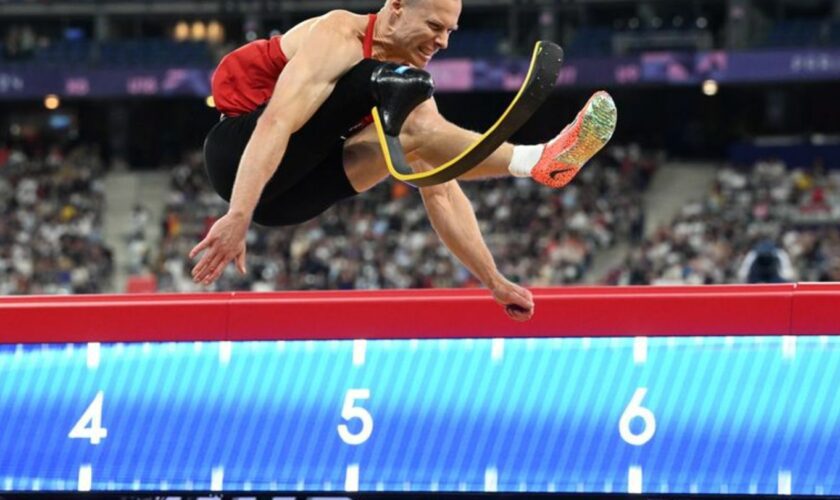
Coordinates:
x,y
311,177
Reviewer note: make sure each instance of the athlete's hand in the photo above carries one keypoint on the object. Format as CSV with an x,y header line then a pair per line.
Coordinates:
x,y
518,301
224,242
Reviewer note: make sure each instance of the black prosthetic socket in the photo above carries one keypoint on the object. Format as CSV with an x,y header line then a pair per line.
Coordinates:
x,y
397,90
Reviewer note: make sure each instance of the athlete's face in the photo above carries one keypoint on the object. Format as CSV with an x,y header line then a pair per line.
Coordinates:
x,y
424,27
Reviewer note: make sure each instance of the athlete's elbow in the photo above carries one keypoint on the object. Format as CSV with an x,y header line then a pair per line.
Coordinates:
x,y
276,122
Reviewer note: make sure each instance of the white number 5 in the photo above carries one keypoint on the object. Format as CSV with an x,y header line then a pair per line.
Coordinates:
x,y
634,410
349,411
89,425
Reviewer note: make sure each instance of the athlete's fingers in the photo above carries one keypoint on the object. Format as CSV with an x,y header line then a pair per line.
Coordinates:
x,y
240,262
219,260
201,246
199,268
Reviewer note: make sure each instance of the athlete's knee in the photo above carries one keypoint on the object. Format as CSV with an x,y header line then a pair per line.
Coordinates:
x,y
420,125
399,90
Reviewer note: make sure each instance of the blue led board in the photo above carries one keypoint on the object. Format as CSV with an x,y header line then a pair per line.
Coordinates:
x,y
677,415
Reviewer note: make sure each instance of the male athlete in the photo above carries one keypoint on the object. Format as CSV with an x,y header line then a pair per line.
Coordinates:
x,y
296,135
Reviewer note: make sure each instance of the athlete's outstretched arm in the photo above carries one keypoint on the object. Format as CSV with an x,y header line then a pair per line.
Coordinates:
x,y
454,220
329,51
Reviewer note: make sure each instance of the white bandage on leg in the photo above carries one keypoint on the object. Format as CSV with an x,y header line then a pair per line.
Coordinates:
x,y
524,158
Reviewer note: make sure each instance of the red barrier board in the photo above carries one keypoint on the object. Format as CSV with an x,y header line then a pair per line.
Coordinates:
x,y
788,309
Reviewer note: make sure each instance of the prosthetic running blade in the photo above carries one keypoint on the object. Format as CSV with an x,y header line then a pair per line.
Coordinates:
x,y
538,85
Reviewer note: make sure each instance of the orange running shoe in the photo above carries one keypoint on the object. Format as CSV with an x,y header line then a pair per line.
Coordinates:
x,y
564,155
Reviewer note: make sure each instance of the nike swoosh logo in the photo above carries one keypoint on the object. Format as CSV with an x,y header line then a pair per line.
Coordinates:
x,y
554,173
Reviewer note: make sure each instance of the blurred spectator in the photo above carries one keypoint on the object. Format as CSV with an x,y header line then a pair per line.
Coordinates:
x,y
50,224
139,222
746,217
766,263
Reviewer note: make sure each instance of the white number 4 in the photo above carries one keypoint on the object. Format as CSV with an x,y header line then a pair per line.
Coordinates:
x,y
636,410
89,425
350,411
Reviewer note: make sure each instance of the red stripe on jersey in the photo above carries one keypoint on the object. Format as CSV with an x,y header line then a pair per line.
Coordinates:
x,y
368,44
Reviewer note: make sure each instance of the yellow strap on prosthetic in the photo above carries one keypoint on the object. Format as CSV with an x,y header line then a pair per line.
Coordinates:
x,y
539,82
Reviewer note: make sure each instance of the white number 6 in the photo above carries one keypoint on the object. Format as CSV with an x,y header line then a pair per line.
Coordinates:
x,y
89,425
634,410
349,412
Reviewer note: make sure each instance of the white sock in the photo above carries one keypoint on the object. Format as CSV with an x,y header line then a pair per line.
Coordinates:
x,y
524,158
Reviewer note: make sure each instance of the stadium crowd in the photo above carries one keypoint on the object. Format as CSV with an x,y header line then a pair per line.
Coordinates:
x,y
51,212
382,239
785,217
51,208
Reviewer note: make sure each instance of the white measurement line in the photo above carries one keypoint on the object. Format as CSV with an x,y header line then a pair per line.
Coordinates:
x,y
634,479
217,478
351,480
359,348
93,351
225,352
640,350
497,350
788,346
85,478
785,481
491,480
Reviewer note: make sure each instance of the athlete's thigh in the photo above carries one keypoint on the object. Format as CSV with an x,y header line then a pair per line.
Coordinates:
x,y
318,190
364,164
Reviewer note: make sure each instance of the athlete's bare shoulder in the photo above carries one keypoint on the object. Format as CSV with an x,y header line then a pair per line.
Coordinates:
x,y
339,24
350,20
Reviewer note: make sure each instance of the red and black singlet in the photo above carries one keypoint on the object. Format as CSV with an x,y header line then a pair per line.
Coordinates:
x,y
245,78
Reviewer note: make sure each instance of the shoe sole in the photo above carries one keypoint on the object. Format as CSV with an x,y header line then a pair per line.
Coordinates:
x,y
594,130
